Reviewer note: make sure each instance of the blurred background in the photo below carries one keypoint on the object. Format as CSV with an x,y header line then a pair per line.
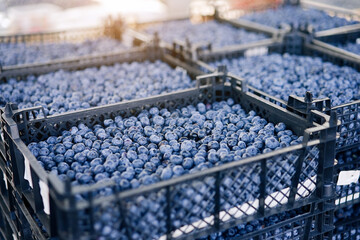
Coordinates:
x,y
29,16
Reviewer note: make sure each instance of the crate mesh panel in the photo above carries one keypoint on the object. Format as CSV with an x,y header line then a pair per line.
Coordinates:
x,y
239,188
349,115
146,215
192,204
347,194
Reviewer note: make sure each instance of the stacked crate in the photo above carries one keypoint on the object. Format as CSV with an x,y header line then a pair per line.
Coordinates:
x,y
54,208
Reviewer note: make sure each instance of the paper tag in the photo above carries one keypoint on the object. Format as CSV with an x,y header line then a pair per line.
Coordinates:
x,y
14,236
348,177
27,174
44,191
358,41
259,51
5,180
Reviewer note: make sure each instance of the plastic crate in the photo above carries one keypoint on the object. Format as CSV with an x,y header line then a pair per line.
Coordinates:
x,y
16,222
192,49
300,4
301,43
348,113
13,224
335,39
112,28
60,3
7,231
149,52
63,215
347,223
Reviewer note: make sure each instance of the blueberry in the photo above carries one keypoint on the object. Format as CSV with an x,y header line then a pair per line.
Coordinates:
x,y
78,139
134,183
98,169
213,157
178,170
155,139
186,146
44,151
198,160
251,150
63,167
84,179
154,111
176,159
271,143
117,142
128,175
60,148
110,166
286,139
70,174
165,149
59,158
79,147
158,120
80,157
167,173
213,145
124,184
95,162
138,163
92,154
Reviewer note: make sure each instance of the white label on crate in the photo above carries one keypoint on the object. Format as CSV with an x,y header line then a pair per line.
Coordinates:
x,y
348,177
358,41
14,236
5,180
259,51
44,191
27,174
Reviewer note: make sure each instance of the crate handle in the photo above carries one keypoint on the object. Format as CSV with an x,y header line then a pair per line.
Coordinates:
x,y
189,50
220,73
304,106
155,41
11,109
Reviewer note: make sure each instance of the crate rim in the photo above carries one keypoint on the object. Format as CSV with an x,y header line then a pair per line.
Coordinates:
x,y
49,32
75,59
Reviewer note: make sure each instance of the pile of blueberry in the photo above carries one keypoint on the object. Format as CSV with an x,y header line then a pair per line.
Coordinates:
x,y
27,53
64,91
349,160
283,75
159,144
218,34
297,17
